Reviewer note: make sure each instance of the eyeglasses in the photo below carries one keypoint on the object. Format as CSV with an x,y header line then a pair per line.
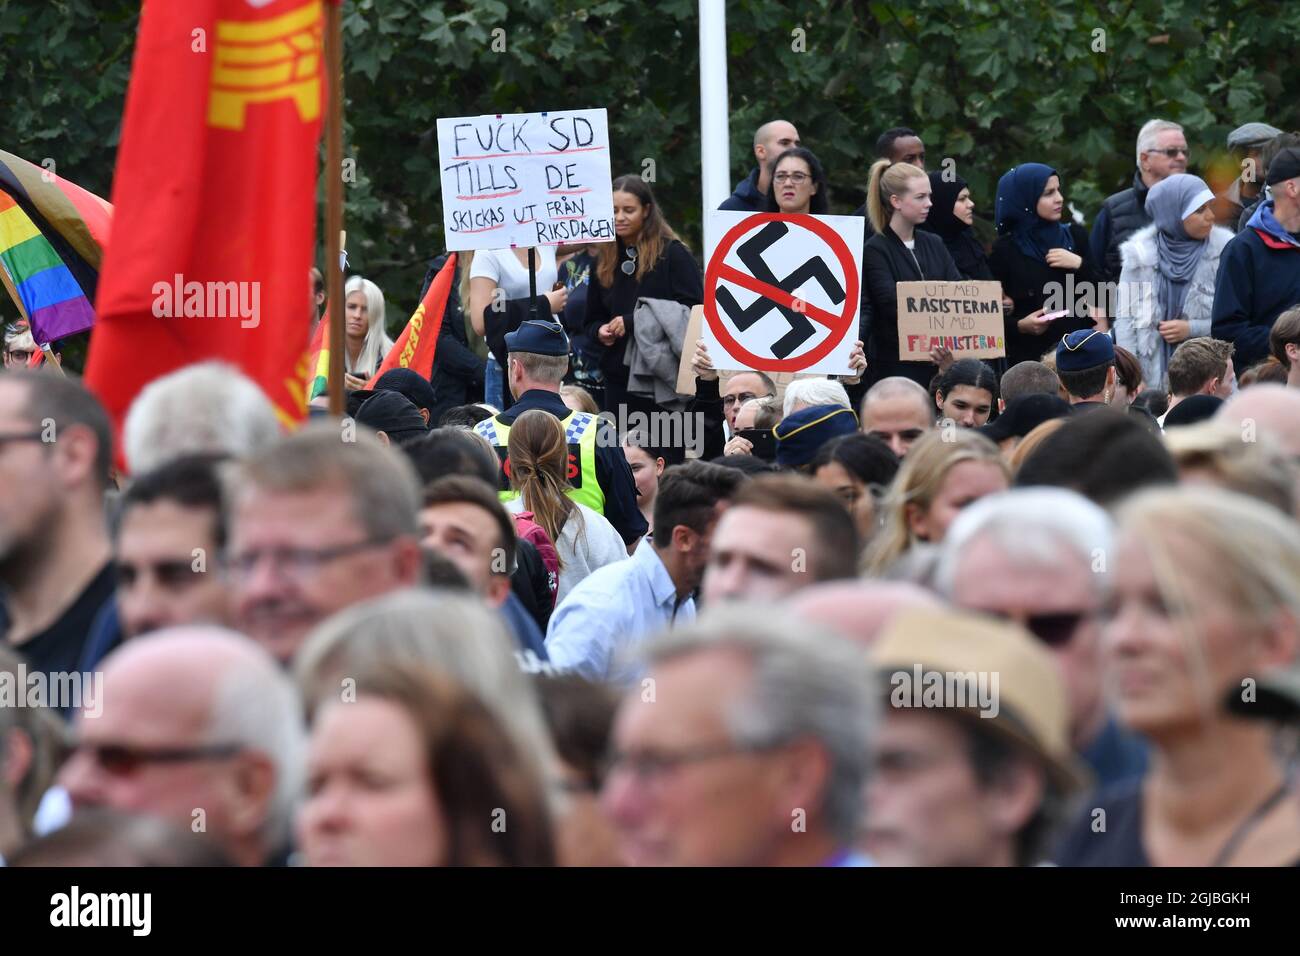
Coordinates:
x,y
1054,630
797,178
297,563
124,760
18,357
1173,151
742,398
21,436
629,265
652,765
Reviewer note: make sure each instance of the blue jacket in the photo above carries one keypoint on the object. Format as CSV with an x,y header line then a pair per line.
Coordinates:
x,y
1258,280
746,198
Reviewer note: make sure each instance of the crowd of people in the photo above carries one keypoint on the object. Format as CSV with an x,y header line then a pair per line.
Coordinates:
x,y
944,613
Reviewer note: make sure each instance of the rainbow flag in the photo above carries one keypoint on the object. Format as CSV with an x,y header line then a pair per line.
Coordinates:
x,y
319,366
52,237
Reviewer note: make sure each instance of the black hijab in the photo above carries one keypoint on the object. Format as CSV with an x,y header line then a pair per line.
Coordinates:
x,y
964,248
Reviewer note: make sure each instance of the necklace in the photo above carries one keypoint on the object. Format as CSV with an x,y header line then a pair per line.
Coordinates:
x,y
1248,824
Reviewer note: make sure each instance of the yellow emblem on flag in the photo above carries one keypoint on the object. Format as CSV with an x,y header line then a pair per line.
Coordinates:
x,y
267,60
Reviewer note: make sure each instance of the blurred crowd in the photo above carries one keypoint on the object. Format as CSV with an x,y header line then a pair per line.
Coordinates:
x,y
1037,609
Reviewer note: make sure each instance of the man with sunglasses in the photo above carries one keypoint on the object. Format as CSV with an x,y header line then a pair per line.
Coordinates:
x,y
1039,557
1161,152
199,727
320,521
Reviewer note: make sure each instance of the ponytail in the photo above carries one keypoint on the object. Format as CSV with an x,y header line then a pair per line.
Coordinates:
x,y
887,179
539,459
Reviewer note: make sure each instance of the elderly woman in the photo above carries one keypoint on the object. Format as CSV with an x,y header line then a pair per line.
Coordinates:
x,y
1166,286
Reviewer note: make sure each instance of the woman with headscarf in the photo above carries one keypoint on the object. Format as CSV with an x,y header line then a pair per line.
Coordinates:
x,y
951,218
1166,285
1034,258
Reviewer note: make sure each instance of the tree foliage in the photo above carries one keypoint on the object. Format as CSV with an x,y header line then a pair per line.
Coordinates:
x,y
987,83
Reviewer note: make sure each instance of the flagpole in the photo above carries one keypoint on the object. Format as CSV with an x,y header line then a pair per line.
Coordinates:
x,y
334,201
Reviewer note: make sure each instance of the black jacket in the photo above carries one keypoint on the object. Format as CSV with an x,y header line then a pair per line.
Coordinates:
x,y
1029,283
1121,215
887,262
675,276
747,197
457,371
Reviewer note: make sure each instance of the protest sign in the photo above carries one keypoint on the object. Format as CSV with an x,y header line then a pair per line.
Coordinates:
x,y
964,317
781,292
525,179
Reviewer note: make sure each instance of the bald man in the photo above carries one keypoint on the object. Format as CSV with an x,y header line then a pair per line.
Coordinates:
x,y
898,411
770,141
198,726
1270,408
860,610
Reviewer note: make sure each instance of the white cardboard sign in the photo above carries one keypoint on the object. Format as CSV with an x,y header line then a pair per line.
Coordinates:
x,y
525,179
782,292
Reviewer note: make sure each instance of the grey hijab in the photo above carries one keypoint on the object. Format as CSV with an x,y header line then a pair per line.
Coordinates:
x,y
1169,202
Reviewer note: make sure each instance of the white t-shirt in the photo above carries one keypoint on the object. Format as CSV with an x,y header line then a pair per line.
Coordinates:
x,y
503,267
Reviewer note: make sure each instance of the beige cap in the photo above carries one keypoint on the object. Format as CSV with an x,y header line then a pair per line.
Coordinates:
x,y
1032,709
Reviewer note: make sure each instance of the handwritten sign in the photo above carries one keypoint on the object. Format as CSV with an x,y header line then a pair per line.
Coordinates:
x,y
526,179
964,317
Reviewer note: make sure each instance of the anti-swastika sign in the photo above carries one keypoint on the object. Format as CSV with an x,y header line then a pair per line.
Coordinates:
x,y
781,293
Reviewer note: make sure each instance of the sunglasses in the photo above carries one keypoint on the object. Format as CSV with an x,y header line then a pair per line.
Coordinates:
x,y
123,760
629,265
1173,151
1054,630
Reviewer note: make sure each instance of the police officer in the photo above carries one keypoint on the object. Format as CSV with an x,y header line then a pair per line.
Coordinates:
x,y
599,475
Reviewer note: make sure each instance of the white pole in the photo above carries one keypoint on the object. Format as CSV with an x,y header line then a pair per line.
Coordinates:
x,y
715,141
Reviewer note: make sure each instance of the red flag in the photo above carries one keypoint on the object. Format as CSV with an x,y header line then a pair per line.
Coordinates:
x,y
414,348
214,200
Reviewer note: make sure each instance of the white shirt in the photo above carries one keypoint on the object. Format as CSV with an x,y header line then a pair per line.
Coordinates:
x,y
581,553
503,267
612,611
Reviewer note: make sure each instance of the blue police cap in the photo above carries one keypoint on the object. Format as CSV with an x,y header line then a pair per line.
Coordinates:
x,y
1084,348
801,434
539,337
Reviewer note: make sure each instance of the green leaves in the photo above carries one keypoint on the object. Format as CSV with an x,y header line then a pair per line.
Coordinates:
x,y
990,83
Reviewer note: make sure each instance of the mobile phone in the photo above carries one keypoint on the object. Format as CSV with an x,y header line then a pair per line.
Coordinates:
x,y
762,440
1053,316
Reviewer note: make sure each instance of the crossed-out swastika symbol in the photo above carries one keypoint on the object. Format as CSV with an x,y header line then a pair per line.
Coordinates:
x,y
750,253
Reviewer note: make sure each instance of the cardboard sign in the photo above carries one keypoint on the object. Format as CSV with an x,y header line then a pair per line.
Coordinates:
x,y
964,317
525,179
781,292
685,371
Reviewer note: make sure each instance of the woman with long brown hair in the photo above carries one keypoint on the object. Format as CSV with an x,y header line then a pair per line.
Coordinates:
x,y
414,770
646,261
539,462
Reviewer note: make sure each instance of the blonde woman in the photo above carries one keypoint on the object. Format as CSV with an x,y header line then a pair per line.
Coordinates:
x,y
898,201
1206,598
538,459
365,340
943,472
